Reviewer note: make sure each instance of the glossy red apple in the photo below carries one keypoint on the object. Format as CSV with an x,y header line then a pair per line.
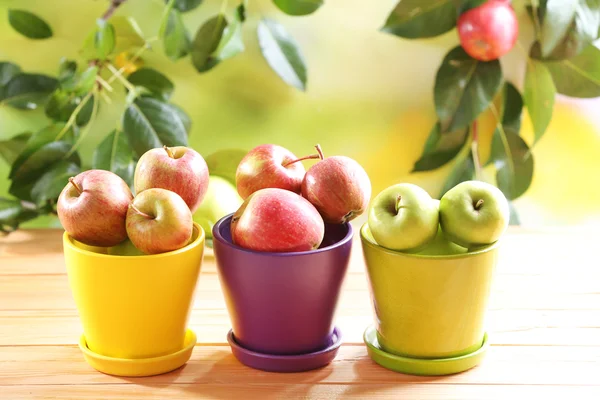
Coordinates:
x,y
270,166
158,221
92,208
488,31
178,169
338,187
277,220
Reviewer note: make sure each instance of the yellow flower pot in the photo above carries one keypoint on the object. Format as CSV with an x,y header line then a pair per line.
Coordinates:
x,y
428,307
134,309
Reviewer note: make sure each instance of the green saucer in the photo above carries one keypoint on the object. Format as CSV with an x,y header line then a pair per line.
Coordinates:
x,y
420,366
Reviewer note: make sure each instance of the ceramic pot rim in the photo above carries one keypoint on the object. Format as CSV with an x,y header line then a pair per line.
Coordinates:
x,y
218,237
68,242
473,253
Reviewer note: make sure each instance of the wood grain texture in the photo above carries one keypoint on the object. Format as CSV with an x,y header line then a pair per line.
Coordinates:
x,y
544,325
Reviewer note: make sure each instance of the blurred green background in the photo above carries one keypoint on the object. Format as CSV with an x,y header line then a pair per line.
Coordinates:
x,y
369,97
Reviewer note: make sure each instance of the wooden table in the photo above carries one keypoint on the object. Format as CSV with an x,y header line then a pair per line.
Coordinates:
x,y
544,325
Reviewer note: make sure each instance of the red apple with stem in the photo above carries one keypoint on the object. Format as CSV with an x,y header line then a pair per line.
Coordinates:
x,y
277,220
158,221
270,166
92,208
488,31
338,187
179,169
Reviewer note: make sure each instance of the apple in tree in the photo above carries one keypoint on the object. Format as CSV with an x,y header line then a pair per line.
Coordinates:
x,y
158,221
338,187
488,31
270,166
92,208
403,217
178,169
221,199
277,220
474,213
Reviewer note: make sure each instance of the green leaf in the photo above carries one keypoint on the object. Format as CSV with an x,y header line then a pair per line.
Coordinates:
x,y
224,163
185,119
463,6
298,7
513,161
86,81
27,91
185,5
512,107
415,19
207,41
7,71
61,105
52,182
440,148
558,17
464,88
578,76
41,159
231,43
114,154
10,148
154,81
539,92
67,70
104,38
282,53
128,34
464,170
176,41
149,123
241,11
29,25
12,213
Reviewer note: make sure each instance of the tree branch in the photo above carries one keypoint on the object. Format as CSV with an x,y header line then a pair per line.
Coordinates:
x,y
114,4
475,151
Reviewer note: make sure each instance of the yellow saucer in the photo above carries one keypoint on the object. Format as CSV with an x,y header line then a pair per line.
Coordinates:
x,y
142,366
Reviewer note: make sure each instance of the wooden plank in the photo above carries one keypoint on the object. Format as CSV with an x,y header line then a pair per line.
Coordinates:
x,y
298,391
64,365
551,328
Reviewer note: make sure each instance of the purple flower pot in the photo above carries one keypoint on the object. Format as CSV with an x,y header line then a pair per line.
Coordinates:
x,y
282,303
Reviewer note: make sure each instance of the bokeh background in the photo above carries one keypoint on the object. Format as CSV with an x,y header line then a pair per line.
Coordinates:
x,y
369,97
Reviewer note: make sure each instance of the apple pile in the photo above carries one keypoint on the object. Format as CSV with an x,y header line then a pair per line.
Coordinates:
x,y
405,218
97,207
488,31
285,207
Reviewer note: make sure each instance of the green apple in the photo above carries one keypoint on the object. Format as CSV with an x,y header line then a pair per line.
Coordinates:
x,y
403,217
125,248
474,213
441,246
221,199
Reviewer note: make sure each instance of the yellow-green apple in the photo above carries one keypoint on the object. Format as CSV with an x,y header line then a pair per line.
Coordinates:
x,y
474,213
441,246
221,199
403,217
158,221
178,169
270,166
92,208
488,31
277,220
338,187
125,248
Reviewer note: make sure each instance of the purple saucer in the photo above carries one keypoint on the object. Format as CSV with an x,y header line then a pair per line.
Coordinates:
x,y
287,363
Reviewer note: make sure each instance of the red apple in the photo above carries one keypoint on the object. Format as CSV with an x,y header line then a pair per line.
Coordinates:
x,y
489,31
338,187
269,166
178,169
92,208
277,220
158,221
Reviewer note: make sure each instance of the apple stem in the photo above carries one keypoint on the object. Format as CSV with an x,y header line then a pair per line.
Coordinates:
x,y
398,200
478,204
169,151
320,151
72,181
312,156
139,212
